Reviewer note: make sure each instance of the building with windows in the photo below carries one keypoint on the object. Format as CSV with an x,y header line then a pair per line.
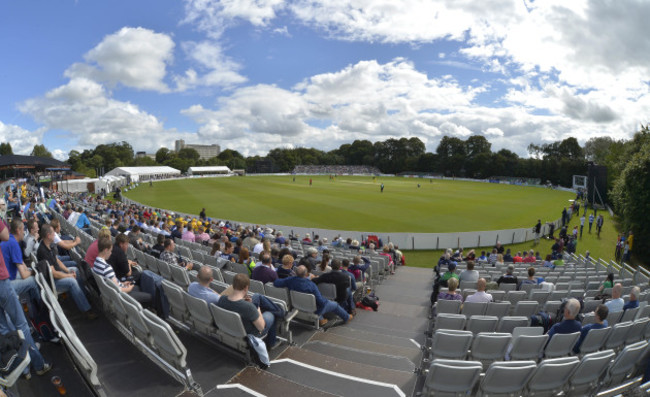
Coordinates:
x,y
205,151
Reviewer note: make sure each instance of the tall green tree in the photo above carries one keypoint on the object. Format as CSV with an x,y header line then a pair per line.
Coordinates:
x,y
5,148
41,151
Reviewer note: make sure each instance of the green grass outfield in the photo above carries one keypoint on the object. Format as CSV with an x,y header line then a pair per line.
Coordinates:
x,y
355,203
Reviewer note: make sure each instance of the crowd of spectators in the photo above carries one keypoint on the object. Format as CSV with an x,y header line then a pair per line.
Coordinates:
x,y
336,169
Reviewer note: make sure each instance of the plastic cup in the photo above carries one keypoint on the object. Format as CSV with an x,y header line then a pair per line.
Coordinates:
x,y
58,383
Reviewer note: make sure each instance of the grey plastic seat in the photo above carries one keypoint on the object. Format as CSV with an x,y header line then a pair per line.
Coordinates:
x,y
558,295
467,285
643,312
617,337
591,305
152,263
525,308
474,308
586,378
624,363
551,375
637,331
489,346
231,330
179,276
216,274
594,340
528,347
497,295
256,287
200,315
629,315
448,306
552,306
614,318
509,323
451,344
515,296
327,290
508,287
163,269
577,293
561,345
527,288
477,324
277,293
507,378
540,296
239,268
177,306
498,309
135,319
110,299
452,377
167,344
305,304
228,276
450,321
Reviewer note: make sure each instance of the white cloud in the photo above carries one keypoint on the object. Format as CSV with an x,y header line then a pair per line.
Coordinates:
x,y
84,110
133,57
215,69
22,141
214,16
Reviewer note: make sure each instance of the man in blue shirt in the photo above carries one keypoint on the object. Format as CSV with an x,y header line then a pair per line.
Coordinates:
x,y
301,283
569,324
201,289
600,313
634,299
22,279
82,221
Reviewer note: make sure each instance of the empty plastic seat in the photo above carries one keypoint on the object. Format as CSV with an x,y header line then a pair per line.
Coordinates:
x,y
200,316
629,315
508,323
594,340
228,276
278,293
451,344
614,318
477,324
452,377
540,296
590,305
625,362
551,375
167,344
587,375
450,321
179,276
497,295
525,308
558,295
174,294
498,309
552,306
507,286
256,287
135,319
490,346
637,331
305,304
561,345
474,308
515,296
527,347
617,337
448,306
507,378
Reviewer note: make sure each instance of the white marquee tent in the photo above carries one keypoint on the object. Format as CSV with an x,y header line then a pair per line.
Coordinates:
x,y
138,174
217,169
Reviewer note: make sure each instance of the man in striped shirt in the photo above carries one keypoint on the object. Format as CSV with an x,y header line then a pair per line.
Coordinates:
x,y
101,267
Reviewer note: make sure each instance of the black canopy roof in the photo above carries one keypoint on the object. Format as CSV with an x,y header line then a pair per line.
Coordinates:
x,y
16,161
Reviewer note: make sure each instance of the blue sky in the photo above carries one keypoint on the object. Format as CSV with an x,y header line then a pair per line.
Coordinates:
x,y
252,75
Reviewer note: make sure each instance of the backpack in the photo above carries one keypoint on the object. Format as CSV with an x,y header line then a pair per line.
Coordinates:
x,y
41,323
371,301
